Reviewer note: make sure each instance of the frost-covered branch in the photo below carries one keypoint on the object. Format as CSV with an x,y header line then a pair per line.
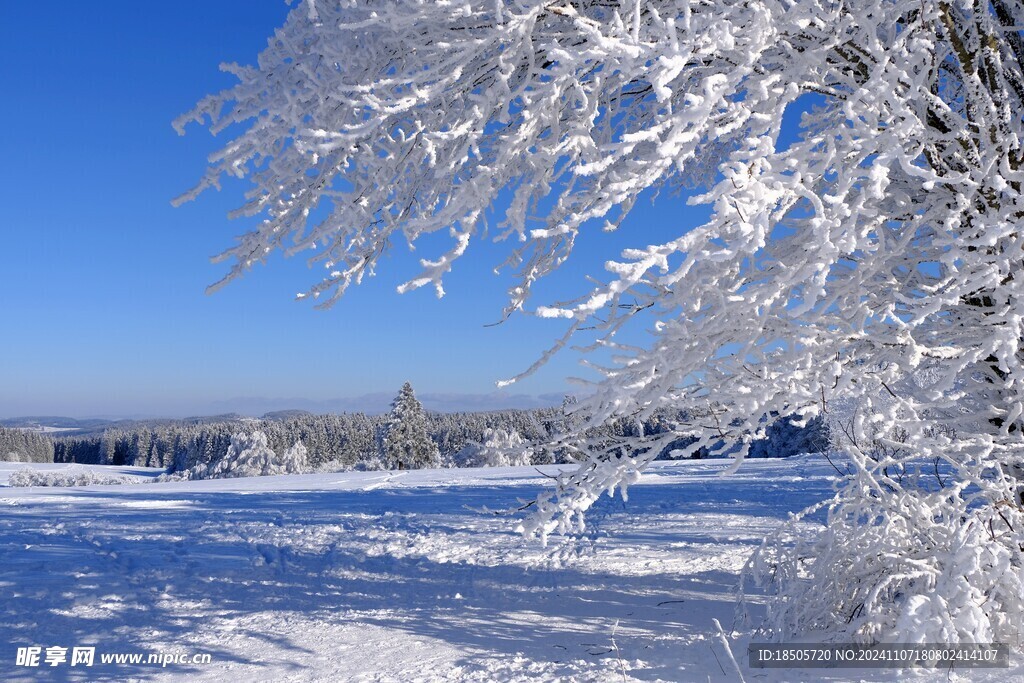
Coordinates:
x,y
875,258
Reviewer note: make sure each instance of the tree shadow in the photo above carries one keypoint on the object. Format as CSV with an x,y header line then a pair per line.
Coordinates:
x,y
139,570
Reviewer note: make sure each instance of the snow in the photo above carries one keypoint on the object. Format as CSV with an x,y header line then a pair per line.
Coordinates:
x,y
46,429
128,472
396,576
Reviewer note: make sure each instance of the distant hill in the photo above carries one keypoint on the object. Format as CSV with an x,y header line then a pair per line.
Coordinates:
x,y
50,423
70,426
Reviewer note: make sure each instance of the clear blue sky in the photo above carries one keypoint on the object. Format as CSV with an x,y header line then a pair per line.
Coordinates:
x,y
102,281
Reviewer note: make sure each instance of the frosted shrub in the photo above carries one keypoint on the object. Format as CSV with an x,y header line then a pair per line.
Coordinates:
x,y
372,463
68,477
500,448
909,552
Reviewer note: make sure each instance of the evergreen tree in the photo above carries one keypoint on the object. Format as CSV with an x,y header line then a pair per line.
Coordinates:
x,y
406,442
249,455
295,459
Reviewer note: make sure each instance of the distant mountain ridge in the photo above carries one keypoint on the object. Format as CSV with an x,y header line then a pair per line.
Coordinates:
x,y
242,407
246,408
70,426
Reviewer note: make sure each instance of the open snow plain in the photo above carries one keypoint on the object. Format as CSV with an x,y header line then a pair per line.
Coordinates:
x,y
376,576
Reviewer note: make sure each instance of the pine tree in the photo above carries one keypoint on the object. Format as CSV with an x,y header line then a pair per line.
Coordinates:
x,y
406,442
249,455
295,459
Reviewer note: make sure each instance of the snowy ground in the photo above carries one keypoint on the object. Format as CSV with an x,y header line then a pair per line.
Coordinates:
x,y
393,576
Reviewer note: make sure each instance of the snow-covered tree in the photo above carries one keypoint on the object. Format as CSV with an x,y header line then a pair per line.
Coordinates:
x,y
407,445
20,445
862,163
249,455
295,459
499,448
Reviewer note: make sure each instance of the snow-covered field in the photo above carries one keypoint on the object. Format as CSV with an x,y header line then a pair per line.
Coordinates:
x,y
393,576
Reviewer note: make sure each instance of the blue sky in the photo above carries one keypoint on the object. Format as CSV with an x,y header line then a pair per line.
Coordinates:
x,y
102,281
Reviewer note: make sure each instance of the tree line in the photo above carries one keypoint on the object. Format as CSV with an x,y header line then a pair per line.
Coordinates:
x,y
19,445
407,437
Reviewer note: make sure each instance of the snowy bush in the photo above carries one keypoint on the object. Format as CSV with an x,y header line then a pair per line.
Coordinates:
x,y
374,463
930,561
500,448
69,477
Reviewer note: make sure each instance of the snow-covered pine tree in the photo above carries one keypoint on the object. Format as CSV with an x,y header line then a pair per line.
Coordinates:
x,y
249,455
295,459
407,445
